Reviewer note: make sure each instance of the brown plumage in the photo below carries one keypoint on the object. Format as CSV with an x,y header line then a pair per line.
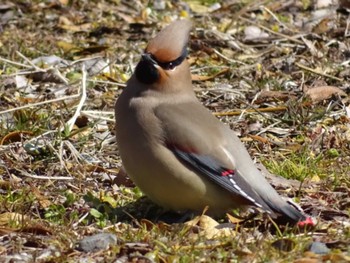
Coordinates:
x,y
174,149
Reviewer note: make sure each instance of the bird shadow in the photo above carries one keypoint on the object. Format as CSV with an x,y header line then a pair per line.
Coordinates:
x,y
144,209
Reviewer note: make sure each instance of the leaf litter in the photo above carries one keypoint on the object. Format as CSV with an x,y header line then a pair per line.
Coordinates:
x,y
275,72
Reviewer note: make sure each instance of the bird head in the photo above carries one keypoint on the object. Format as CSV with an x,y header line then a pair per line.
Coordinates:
x,y
164,61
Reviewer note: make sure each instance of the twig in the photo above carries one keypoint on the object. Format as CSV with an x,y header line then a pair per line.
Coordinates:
x,y
98,112
77,156
44,177
207,67
204,78
72,120
317,72
85,59
346,32
14,63
108,82
268,127
252,102
238,112
41,136
275,17
60,76
228,59
98,115
40,103
81,219
29,62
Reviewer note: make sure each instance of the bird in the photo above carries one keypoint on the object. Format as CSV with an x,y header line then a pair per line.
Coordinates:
x,y
176,151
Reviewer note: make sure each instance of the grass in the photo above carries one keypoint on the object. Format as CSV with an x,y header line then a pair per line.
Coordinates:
x,y
297,166
60,184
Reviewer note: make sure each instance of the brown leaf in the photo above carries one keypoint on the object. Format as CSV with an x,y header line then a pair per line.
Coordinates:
x,y
5,231
15,136
36,228
258,138
46,76
234,220
43,201
271,95
123,179
323,93
324,26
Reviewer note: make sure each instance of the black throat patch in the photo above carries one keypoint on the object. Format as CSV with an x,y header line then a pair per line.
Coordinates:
x,y
146,72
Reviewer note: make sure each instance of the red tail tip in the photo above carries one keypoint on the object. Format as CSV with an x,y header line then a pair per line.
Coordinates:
x,y
307,222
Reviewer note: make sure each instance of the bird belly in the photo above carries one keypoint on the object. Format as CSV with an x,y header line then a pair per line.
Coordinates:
x,y
170,184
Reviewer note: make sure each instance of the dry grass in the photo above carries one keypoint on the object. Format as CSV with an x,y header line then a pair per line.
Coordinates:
x,y
59,162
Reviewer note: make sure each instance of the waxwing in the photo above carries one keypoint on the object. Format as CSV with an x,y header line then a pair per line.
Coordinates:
x,y
180,155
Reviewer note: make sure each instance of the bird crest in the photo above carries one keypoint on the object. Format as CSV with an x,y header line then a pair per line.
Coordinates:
x,y
170,43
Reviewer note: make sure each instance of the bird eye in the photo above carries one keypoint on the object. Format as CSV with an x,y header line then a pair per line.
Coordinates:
x,y
171,66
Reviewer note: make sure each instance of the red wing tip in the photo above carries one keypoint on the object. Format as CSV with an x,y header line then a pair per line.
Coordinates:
x,y
227,172
309,221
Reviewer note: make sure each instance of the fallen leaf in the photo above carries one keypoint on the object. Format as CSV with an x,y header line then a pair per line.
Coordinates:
x,y
209,227
5,231
16,136
253,33
64,2
258,138
271,95
324,26
315,179
66,24
123,179
36,228
323,3
336,257
8,218
234,220
197,7
43,201
47,61
306,260
66,46
46,76
321,93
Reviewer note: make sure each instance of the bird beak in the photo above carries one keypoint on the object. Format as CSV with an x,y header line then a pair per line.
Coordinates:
x,y
147,57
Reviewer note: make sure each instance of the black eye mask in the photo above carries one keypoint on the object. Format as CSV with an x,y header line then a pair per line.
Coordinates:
x,y
147,73
172,64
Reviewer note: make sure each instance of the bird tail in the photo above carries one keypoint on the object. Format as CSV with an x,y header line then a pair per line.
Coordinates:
x,y
287,212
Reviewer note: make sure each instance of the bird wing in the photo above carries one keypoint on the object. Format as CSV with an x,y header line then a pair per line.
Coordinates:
x,y
228,179
204,144
196,138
